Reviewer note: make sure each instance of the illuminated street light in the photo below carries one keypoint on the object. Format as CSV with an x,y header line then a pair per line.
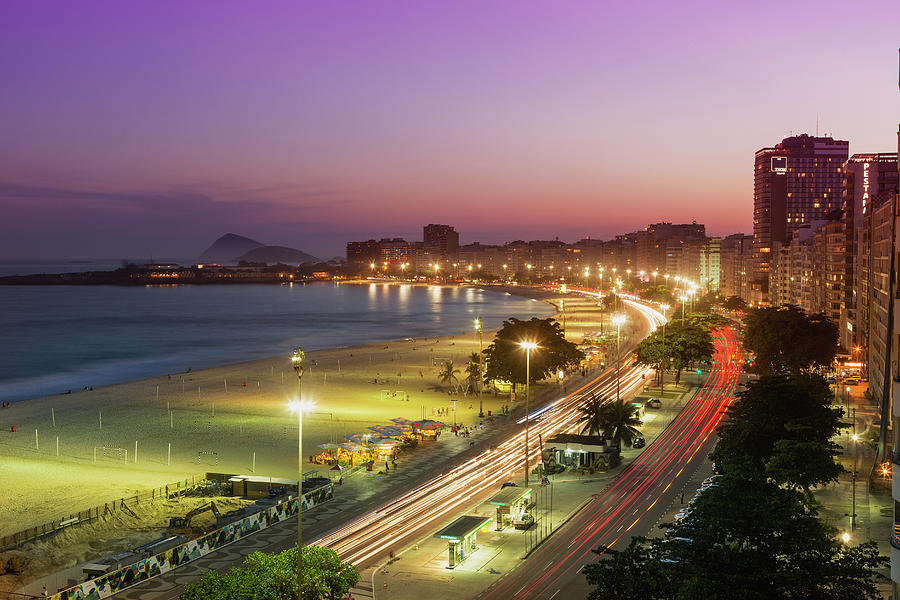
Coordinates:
x,y
845,537
300,406
528,346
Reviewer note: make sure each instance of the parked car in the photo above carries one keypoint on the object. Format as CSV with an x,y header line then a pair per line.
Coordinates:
x,y
830,380
653,403
638,442
525,522
507,484
851,381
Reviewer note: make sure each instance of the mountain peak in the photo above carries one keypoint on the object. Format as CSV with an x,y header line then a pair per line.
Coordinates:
x,y
228,247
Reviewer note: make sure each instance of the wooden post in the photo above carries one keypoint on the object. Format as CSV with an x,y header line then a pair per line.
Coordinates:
x,y
135,451
253,468
168,463
57,445
100,414
171,420
36,447
53,416
226,385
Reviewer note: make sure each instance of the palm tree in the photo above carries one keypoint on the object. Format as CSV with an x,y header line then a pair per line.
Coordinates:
x,y
473,371
592,416
620,421
448,374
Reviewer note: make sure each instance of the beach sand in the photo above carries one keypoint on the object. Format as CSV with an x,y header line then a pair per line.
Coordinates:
x,y
214,430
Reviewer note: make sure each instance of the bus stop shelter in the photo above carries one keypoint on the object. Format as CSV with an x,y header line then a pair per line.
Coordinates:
x,y
461,537
512,504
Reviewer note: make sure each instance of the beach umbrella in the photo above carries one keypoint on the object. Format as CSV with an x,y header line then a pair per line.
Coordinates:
x,y
427,424
353,446
328,446
401,421
386,443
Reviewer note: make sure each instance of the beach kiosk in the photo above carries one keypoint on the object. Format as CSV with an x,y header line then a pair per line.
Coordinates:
x,y
512,505
460,535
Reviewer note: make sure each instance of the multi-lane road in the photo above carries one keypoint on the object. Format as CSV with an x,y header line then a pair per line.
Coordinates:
x,y
633,502
400,520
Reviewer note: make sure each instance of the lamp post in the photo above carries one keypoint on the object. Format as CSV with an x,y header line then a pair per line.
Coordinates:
x,y
297,362
662,362
855,439
683,299
528,346
618,320
480,366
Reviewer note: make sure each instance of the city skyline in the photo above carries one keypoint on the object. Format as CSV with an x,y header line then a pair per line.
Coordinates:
x,y
136,131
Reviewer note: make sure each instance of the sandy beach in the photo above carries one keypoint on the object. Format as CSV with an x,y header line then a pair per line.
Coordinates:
x,y
217,419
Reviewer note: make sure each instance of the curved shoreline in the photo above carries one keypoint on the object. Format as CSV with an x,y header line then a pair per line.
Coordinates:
x,y
101,373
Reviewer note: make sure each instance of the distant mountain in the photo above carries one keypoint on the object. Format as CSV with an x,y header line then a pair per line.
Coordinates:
x,y
225,249
278,254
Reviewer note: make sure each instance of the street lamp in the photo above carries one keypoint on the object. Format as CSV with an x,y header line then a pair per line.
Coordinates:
x,y
662,362
480,367
618,320
300,406
683,299
528,346
855,439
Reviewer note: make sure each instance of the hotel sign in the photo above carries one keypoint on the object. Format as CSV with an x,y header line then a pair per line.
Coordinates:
x,y
865,187
779,164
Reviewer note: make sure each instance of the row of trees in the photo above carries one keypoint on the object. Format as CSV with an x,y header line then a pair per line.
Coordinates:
x,y
757,533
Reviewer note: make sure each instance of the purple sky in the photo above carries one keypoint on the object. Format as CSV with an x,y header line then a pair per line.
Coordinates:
x,y
130,128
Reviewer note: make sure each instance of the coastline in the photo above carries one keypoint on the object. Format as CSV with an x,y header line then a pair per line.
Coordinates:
x,y
195,414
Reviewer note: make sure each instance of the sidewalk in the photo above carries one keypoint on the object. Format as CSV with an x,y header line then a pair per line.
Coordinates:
x,y
874,503
420,571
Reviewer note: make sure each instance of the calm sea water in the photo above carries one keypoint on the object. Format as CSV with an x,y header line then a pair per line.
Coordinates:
x,y
55,338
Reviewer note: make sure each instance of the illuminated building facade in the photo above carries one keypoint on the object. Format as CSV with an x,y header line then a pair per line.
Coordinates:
x,y
795,182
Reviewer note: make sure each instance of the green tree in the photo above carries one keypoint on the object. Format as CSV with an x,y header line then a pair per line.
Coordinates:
x,y
650,352
473,372
591,416
619,420
658,293
505,358
782,427
686,345
274,577
448,375
747,539
735,303
788,340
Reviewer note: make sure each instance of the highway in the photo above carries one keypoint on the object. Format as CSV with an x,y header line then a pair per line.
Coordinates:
x,y
431,504
633,502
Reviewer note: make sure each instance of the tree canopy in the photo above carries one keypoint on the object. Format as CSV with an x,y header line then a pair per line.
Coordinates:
x,y
505,358
685,345
782,427
747,539
786,339
658,293
735,303
274,577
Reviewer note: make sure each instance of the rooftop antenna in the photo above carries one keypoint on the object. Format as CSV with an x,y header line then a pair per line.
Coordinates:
x,y
817,124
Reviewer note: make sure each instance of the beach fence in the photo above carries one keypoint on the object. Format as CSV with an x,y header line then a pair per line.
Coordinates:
x,y
14,540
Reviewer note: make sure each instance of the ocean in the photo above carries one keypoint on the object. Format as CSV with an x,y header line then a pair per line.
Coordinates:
x,y
56,338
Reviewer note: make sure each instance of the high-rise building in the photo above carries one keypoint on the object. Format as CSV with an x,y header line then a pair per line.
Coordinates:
x,y
869,179
441,241
735,266
795,182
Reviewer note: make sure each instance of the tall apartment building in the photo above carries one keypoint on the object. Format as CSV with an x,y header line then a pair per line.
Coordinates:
x,y
735,267
795,182
441,241
869,179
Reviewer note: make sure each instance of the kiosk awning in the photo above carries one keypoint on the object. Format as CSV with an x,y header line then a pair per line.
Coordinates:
x,y
462,528
509,496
